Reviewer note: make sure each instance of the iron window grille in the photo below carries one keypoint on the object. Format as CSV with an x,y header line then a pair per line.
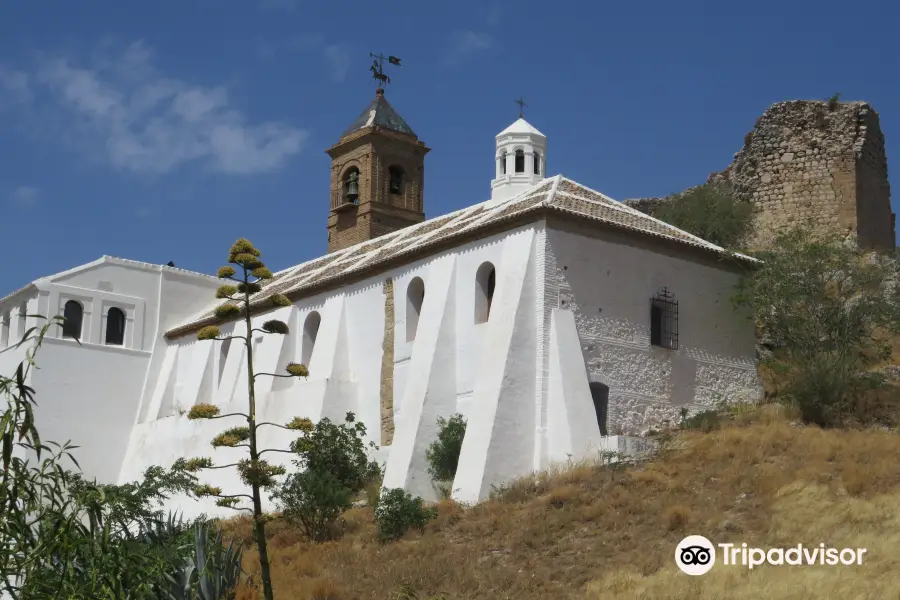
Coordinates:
x,y
664,320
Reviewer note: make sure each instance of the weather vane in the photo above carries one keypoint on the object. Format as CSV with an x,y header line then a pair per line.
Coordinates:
x,y
522,106
377,68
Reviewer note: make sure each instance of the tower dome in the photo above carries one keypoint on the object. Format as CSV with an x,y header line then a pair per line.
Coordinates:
x,y
521,159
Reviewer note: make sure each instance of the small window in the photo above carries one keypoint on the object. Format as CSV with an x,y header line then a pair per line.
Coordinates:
x,y
485,281
4,330
520,161
310,332
351,186
115,327
664,320
73,314
503,163
415,296
396,180
600,396
537,163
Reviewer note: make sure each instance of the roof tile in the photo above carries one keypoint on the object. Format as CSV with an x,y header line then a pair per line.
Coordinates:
x,y
567,196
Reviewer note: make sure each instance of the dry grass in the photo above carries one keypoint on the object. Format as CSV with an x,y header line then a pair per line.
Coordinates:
x,y
594,532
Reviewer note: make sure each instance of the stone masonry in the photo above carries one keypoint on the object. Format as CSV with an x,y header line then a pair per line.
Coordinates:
x,y
816,164
373,151
387,367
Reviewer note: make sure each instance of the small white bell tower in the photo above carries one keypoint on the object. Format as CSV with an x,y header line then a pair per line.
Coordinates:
x,y
521,160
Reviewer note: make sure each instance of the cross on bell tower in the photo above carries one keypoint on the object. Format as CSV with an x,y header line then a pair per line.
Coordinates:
x,y
522,106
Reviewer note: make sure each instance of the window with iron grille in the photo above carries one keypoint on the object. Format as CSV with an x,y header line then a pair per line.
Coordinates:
x,y
664,320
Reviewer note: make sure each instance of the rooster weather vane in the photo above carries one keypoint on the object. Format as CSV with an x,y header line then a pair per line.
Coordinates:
x,y
377,68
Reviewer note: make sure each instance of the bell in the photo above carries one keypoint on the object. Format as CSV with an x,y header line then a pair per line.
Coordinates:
x,y
353,187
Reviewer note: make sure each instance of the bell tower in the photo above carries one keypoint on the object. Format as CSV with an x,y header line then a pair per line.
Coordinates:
x,y
377,177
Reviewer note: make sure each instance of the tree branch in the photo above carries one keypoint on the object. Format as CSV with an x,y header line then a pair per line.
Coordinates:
x,y
271,375
274,425
227,415
263,331
261,452
233,496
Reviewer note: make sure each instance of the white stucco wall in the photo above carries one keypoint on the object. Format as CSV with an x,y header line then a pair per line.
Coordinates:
x,y
468,335
89,392
608,285
89,395
345,368
569,307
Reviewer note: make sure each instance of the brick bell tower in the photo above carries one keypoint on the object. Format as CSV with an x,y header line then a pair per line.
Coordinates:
x,y
377,175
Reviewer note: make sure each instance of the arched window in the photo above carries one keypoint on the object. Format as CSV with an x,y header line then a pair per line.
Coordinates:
x,y
72,313
395,185
310,331
351,185
415,295
4,330
537,163
502,160
664,320
485,281
115,326
520,161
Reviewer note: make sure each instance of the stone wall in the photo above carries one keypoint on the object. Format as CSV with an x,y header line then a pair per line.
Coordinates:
x,y
387,366
373,151
816,164
607,282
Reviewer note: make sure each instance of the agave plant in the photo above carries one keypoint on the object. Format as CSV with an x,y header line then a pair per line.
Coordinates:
x,y
212,573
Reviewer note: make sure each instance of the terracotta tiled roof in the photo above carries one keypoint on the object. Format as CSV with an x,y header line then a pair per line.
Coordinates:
x,y
556,194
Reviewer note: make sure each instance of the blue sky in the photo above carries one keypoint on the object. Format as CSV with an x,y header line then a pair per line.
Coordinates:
x,y
164,130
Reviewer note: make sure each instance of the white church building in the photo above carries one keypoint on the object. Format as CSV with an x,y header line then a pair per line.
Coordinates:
x,y
557,320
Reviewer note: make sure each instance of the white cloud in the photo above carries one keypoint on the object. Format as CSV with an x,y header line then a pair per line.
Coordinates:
x,y
122,110
338,58
464,45
26,196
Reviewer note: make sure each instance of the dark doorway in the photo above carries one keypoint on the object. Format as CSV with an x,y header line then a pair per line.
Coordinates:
x,y
600,394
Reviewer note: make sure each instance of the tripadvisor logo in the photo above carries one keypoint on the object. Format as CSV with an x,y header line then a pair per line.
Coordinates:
x,y
696,555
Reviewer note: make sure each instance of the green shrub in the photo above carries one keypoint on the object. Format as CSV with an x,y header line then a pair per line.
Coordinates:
x,y
334,468
339,450
314,501
705,421
711,212
398,512
443,453
820,302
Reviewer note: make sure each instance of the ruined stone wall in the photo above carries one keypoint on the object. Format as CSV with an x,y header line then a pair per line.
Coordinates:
x,y
815,164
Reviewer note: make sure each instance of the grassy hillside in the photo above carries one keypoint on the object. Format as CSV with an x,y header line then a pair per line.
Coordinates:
x,y
592,532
